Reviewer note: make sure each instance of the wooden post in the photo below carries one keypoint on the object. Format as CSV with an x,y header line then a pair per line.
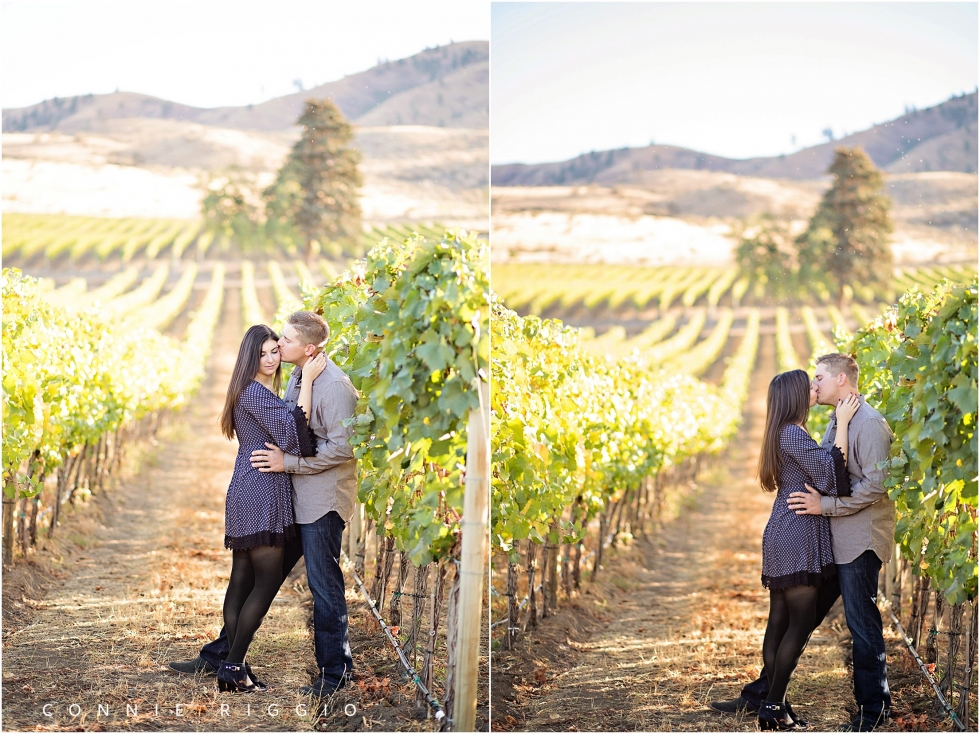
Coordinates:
x,y
603,523
428,661
966,687
547,559
361,557
899,574
512,614
551,575
888,576
395,605
948,681
472,563
354,530
421,585
9,509
452,655
532,598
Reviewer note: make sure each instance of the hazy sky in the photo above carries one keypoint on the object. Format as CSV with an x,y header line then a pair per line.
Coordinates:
x,y
732,79
212,53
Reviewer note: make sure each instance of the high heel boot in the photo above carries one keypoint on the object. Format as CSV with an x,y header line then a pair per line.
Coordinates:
x,y
772,717
234,677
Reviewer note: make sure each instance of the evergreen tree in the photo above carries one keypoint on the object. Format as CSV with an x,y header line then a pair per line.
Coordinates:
x,y
847,239
317,188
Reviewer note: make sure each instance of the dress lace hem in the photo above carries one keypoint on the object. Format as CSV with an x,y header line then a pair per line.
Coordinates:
x,y
799,578
264,537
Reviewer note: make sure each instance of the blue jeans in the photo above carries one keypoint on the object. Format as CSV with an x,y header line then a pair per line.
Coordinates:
x,y
858,586
319,542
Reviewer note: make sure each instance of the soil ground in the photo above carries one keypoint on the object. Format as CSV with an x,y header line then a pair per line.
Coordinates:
x,y
137,578
677,619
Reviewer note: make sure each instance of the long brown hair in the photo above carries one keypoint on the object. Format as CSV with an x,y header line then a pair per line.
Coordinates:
x,y
788,401
246,368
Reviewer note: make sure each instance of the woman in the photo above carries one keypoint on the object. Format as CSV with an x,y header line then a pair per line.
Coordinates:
x,y
796,549
259,509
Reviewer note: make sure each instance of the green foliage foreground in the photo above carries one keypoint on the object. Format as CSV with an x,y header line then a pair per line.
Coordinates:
x,y
919,368
572,432
410,325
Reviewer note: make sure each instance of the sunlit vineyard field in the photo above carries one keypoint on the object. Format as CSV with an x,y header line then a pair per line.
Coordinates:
x,y
691,317
655,399
46,239
116,327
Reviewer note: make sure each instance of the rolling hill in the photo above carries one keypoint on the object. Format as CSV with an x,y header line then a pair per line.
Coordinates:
x,y
940,138
446,86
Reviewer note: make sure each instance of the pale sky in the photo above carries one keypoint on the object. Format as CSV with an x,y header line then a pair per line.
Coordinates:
x,y
212,53
732,79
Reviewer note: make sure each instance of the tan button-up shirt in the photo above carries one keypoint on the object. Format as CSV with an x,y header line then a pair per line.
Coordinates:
x,y
327,481
866,519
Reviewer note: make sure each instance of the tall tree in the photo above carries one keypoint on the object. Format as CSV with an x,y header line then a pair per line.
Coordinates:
x,y
846,241
318,187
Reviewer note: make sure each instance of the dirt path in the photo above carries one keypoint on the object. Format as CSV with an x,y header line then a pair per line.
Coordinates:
x,y
150,590
676,622
138,580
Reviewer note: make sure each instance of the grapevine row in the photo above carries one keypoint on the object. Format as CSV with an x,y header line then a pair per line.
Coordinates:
x,y
409,325
918,366
786,356
251,308
76,381
536,287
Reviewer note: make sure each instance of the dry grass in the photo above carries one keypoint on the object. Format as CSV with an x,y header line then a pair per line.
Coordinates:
x,y
676,620
136,579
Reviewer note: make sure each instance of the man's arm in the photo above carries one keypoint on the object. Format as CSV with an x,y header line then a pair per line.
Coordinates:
x,y
338,401
872,443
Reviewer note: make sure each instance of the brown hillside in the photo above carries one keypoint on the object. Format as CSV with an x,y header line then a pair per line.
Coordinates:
x,y
940,138
461,99
356,95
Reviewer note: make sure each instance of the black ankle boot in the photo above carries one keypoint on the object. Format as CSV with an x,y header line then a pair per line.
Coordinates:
x,y
772,717
234,677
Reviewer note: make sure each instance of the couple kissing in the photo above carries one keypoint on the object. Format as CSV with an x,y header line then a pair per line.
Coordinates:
x,y
831,528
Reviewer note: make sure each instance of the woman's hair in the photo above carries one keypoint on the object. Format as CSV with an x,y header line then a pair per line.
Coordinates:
x,y
246,368
788,401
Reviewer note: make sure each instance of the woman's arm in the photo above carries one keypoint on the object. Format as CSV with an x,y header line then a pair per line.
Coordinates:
x,y
287,429
820,466
846,409
310,371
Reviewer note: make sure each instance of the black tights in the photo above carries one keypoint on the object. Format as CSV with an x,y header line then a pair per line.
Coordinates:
x,y
792,614
256,575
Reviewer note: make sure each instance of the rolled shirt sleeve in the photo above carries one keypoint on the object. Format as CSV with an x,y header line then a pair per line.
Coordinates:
x,y
333,437
871,445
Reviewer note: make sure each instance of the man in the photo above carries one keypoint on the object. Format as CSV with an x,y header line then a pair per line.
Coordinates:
x,y
324,495
862,529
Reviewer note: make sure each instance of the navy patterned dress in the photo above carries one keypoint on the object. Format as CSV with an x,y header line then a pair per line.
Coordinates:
x,y
259,506
796,549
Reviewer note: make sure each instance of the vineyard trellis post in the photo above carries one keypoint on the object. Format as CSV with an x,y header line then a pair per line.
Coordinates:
x,y
472,564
